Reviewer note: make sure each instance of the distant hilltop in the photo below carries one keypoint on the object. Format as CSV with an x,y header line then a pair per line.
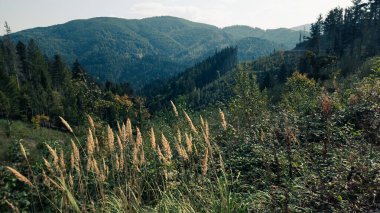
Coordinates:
x,y
143,50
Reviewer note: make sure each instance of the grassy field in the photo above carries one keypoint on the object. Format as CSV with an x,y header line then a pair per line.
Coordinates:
x,y
29,135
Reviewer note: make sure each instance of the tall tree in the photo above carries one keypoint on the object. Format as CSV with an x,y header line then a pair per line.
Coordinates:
x,y
59,73
332,28
78,71
21,52
11,58
315,35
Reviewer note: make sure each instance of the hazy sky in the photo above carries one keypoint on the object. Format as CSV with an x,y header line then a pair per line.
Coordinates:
x,y
23,14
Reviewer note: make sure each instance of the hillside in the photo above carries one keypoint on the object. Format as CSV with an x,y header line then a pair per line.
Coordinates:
x,y
193,79
141,51
292,131
287,38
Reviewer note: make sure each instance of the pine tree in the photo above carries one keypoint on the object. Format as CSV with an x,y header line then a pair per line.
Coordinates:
x,y
315,35
332,28
59,73
12,67
21,52
79,73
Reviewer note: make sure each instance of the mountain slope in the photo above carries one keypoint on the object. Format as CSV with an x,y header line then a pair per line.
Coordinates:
x,y
139,51
287,38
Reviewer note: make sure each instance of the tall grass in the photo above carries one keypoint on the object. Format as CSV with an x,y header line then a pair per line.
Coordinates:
x,y
124,170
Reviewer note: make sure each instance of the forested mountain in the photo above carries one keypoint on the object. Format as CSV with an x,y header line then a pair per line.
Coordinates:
x,y
189,83
140,51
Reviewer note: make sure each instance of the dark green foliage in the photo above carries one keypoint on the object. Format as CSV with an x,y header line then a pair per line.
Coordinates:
x,y
353,31
39,86
192,80
315,35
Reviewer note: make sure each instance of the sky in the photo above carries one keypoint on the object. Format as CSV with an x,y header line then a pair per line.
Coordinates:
x,y
266,14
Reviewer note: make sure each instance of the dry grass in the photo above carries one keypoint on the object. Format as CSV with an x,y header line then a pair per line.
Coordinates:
x,y
19,176
122,167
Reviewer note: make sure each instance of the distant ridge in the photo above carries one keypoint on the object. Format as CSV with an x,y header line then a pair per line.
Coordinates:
x,y
143,50
302,27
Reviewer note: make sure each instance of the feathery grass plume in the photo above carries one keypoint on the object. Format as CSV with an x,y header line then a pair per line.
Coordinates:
x,y
45,179
207,130
89,163
76,151
96,143
90,143
53,153
189,143
135,152
181,151
95,167
178,148
142,156
205,162
223,119
72,160
23,151
62,163
92,206
91,122
105,167
129,132
111,139
135,157
185,156
66,124
48,165
152,139
118,127
174,108
19,176
190,122
161,156
121,161
166,147
71,180
137,147
206,135
14,208
117,163
121,147
123,133
139,139
221,162
54,183
202,121
179,136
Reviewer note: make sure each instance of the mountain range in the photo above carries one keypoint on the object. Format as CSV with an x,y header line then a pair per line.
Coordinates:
x,y
140,51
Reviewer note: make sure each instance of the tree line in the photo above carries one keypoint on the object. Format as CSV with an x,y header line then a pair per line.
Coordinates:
x,y
35,86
